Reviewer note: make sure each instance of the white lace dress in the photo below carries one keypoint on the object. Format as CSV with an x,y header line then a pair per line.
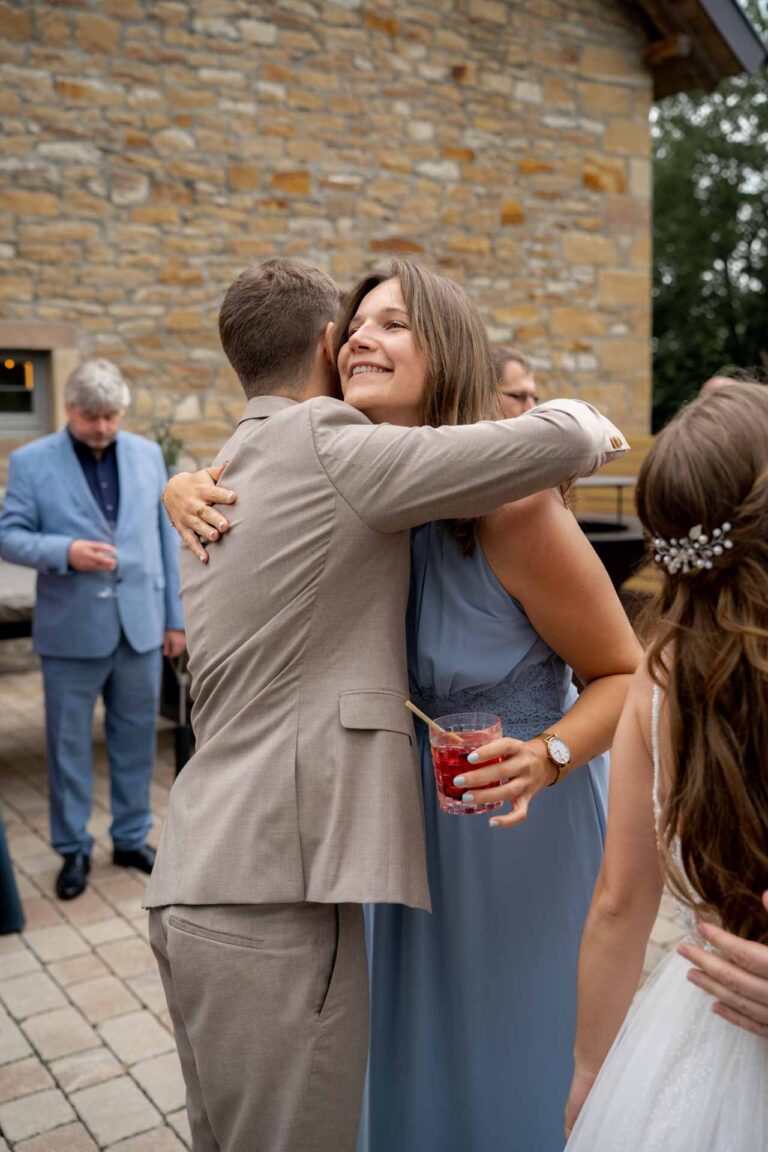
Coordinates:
x,y
678,1078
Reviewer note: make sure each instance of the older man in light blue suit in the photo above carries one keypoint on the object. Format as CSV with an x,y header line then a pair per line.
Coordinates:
x,y
83,506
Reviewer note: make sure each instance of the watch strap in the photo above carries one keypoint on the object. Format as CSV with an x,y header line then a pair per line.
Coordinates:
x,y
546,737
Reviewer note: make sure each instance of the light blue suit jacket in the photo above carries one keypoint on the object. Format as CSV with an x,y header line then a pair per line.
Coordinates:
x,y
48,504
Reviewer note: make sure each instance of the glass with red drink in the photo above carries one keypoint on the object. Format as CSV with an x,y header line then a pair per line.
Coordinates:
x,y
463,732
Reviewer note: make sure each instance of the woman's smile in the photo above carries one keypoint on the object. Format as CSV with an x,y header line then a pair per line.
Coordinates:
x,y
381,370
365,369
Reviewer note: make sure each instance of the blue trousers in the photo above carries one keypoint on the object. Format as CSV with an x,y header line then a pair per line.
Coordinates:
x,y
130,685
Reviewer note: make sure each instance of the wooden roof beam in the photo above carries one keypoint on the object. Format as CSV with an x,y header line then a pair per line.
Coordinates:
x,y
675,47
696,43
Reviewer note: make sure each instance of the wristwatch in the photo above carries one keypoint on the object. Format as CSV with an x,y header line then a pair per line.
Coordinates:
x,y
558,752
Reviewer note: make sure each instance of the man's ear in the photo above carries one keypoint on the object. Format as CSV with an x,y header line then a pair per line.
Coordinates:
x,y
328,341
333,383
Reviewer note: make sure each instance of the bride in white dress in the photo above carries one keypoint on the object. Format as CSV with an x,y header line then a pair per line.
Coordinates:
x,y
688,805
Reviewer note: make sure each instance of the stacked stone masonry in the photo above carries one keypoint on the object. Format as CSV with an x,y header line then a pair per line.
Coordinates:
x,y
151,149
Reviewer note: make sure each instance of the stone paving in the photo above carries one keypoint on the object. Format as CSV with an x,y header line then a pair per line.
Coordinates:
x,y
87,1059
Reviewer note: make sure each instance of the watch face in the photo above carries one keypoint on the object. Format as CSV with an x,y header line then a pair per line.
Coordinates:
x,y
559,751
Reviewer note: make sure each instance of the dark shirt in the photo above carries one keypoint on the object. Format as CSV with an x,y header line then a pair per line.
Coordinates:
x,y
102,477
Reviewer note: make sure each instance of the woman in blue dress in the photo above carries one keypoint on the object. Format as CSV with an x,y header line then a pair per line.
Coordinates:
x,y
473,1006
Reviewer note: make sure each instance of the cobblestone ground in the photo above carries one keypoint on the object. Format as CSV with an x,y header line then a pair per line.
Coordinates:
x,y
87,1058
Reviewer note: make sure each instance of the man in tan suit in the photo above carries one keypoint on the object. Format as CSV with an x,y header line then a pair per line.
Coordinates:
x,y
303,799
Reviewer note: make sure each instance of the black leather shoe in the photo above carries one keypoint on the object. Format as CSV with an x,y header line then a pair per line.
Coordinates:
x,y
71,881
142,858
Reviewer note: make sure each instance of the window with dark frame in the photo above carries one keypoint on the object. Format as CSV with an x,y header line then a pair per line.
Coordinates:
x,y
24,392
17,384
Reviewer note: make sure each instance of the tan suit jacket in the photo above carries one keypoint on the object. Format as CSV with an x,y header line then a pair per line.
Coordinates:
x,y
306,785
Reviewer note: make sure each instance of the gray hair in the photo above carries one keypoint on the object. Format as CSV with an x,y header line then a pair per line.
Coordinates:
x,y
504,353
97,386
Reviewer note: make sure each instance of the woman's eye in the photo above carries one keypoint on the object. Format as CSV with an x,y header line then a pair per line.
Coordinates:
x,y
396,324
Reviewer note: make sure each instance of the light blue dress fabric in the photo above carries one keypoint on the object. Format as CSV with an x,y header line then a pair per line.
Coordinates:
x,y
473,1008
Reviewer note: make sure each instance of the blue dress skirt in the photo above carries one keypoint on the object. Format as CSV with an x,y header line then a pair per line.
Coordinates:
x,y
473,1007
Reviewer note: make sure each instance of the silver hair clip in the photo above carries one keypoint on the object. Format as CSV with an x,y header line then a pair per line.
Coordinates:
x,y
693,552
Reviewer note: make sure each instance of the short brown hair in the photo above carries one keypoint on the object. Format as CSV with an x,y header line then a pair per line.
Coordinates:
x,y
271,321
504,354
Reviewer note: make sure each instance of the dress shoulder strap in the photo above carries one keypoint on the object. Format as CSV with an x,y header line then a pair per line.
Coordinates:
x,y
655,712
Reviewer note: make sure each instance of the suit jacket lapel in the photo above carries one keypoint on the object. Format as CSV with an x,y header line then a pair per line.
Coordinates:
x,y
76,477
122,449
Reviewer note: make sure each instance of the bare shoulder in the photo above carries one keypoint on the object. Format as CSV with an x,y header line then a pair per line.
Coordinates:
x,y
539,553
640,698
529,543
524,518
642,684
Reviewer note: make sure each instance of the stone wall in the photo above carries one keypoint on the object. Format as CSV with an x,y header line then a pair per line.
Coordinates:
x,y
153,148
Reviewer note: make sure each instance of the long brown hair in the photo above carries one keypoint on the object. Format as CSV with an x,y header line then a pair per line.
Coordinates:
x,y
460,383
710,650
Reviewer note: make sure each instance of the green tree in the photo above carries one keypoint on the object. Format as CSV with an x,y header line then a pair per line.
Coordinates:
x,y
710,227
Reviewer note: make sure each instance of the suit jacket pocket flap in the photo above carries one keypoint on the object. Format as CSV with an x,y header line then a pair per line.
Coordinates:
x,y
374,710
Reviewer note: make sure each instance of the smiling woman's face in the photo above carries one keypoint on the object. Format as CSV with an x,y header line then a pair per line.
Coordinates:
x,y
382,372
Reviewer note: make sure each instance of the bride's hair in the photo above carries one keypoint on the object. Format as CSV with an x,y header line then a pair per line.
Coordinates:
x,y
709,651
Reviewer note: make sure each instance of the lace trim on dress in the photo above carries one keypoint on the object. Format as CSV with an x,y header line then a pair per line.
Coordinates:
x,y
527,703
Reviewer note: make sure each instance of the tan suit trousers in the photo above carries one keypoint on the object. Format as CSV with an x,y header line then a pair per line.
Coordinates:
x,y
269,1004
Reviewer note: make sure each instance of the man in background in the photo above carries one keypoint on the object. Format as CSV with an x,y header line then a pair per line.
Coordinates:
x,y
517,387
83,507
